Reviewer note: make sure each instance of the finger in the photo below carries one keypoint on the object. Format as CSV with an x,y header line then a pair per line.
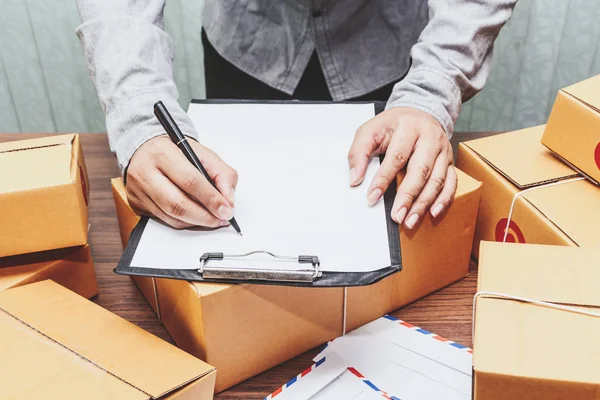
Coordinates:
x,y
418,171
145,206
225,177
430,191
175,203
446,196
190,180
362,149
396,157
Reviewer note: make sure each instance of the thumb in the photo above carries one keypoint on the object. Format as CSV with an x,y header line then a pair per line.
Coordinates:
x,y
226,182
225,177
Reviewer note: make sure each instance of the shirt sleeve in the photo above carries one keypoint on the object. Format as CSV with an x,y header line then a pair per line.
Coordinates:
x,y
451,60
130,60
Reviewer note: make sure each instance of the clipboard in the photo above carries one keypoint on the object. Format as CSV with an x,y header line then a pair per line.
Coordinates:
x,y
212,266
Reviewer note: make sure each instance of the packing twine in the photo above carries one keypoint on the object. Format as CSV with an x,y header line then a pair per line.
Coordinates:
x,y
514,200
504,296
501,295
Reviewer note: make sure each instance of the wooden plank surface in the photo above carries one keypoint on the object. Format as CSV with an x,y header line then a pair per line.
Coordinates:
x,y
446,312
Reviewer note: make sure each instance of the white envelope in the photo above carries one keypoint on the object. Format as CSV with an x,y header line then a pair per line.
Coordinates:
x,y
385,359
330,378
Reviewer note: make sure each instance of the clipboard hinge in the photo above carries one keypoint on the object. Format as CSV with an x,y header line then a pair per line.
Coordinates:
x,y
261,274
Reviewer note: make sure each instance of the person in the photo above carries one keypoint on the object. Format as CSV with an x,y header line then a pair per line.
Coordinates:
x,y
424,57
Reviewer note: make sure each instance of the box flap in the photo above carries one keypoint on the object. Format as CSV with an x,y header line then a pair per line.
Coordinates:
x,y
557,274
535,342
16,269
526,340
52,140
521,158
41,368
36,163
465,184
587,91
573,208
122,349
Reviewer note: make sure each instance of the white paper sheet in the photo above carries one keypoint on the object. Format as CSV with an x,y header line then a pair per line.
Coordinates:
x,y
293,196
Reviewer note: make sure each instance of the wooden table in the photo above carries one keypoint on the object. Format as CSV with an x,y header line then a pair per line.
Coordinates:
x,y
446,312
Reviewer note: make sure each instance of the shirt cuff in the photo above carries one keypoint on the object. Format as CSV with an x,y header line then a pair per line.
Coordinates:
x,y
132,123
432,91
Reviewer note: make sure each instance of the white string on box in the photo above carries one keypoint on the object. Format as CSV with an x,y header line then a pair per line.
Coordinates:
x,y
514,200
504,296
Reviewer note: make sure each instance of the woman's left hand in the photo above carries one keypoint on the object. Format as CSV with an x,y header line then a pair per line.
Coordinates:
x,y
415,139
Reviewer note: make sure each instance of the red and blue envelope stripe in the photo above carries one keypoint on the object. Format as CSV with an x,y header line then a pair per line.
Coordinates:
x,y
295,379
372,385
315,366
427,333
352,370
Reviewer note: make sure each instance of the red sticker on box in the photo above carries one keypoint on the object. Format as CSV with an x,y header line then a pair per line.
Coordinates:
x,y
514,234
83,185
597,155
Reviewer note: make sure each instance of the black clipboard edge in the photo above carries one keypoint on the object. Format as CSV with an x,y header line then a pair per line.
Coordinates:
x,y
328,279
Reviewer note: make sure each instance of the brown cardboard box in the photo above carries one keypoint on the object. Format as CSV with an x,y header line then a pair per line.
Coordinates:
x,y
57,345
573,129
43,200
526,351
242,329
71,267
246,329
434,255
565,214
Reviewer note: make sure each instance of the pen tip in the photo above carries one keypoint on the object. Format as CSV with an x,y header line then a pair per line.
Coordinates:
x,y
240,233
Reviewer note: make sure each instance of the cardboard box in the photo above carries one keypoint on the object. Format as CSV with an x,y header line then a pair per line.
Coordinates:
x,y
246,329
573,129
566,214
57,345
434,255
71,267
526,351
243,329
44,193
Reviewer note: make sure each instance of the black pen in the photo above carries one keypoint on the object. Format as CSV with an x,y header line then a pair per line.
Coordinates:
x,y
180,141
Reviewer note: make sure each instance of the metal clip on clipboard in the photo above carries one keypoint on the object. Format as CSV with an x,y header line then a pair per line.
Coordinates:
x,y
256,274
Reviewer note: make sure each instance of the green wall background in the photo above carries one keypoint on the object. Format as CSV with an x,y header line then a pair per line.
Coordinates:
x,y
44,84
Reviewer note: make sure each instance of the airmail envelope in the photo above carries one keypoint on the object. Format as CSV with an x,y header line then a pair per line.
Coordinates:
x,y
387,358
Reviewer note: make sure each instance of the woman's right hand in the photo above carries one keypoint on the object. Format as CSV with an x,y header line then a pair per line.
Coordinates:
x,y
163,183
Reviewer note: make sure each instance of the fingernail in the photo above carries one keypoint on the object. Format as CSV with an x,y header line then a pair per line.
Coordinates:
x,y
352,176
374,196
412,220
401,214
225,213
435,211
232,194
223,223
